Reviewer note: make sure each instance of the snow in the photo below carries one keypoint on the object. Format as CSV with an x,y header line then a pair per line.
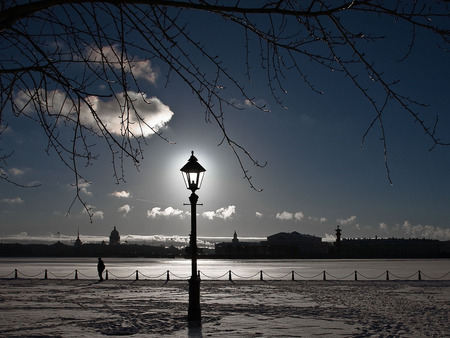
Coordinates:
x,y
151,308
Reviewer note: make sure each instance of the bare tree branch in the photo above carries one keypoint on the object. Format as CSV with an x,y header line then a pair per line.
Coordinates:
x,y
60,60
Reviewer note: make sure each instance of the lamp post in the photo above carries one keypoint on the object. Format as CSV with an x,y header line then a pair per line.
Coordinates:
x,y
193,174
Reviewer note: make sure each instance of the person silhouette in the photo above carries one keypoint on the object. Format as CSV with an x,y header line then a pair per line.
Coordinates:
x,y
100,268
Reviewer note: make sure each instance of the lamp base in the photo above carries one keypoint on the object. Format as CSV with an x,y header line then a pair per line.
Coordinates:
x,y
194,311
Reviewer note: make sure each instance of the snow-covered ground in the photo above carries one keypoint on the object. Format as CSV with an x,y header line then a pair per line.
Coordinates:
x,y
86,308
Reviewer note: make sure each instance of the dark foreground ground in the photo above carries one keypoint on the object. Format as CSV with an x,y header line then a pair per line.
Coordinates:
x,y
86,308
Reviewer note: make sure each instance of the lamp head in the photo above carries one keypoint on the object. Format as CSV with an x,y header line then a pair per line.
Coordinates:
x,y
193,173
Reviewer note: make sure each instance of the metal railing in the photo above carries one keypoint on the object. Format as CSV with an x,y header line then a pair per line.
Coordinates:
x,y
230,275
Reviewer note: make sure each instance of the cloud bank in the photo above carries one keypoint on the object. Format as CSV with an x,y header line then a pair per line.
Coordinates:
x,y
346,221
96,214
18,172
16,200
158,212
126,208
153,114
425,231
286,216
141,69
222,213
121,194
148,116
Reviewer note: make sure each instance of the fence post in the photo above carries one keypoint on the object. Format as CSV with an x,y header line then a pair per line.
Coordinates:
x,y
387,274
45,274
15,273
229,275
292,273
76,274
137,274
420,275
261,275
167,275
198,274
324,275
356,275
106,275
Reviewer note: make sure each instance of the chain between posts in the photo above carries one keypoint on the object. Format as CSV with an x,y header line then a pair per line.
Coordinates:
x,y
262,276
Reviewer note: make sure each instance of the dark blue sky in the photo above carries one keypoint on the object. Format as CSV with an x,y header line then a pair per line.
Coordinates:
x,y
317,173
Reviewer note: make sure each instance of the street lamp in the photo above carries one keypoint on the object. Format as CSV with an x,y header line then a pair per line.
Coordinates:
x,y
193,174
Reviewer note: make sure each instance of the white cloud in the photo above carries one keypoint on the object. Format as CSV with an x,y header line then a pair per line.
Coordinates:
x,y
383,226
257,103
94,214
209,214
98,214
142,69
425,231
284,215
407,230
349,220
329,238
121,194
83,188
299,216
259,215
317,219
167,212
224,213
16,200
126,208
17,171
153,114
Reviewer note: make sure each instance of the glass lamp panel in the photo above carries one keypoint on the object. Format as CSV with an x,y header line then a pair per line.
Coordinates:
x,y
186,178
200,179
193,180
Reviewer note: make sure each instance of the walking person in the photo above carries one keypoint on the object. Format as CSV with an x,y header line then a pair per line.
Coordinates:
x,y
100,268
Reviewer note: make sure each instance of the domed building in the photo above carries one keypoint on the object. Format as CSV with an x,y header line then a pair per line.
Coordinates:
x,y
114,238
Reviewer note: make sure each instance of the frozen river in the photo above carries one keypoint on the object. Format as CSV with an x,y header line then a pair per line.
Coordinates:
x,y
308,269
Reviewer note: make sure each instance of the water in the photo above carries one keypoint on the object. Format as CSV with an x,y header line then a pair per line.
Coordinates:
x,y
125,268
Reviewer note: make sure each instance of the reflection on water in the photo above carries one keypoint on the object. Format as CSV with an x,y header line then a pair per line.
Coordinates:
x,y
219,269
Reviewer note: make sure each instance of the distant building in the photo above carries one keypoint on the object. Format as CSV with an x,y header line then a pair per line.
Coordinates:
x,y
78,242
238,249
391,248
387,247
114,238
338,236
235,240
296,245
281,245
